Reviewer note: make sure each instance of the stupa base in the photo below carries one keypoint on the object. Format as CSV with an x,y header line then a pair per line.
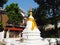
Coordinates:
x,y
35,42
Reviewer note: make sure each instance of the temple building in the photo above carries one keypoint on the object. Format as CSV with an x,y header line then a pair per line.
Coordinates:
x,y
14,32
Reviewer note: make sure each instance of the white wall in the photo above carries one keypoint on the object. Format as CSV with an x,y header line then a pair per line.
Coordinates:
x,y
1,36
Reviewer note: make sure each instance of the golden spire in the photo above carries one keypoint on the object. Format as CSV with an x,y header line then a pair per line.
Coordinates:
x,y
31,11
32,20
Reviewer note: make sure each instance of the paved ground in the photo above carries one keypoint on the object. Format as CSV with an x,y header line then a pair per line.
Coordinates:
x,y
4,44
1,43
56,42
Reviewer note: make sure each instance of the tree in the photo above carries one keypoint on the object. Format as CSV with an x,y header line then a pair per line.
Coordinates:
x,y
49,12
13,13
2,2
1,28
38,17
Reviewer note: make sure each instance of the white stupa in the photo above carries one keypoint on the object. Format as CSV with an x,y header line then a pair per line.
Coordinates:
x,y
31,34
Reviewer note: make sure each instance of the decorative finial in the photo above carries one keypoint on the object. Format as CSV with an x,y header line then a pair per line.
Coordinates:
x,y
31,11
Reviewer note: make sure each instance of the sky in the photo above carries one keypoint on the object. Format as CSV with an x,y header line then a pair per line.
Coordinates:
x,y
24,4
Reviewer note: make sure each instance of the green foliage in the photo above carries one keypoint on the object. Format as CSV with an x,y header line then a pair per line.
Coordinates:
x,y
2,2
13,12
52,36
40,18
48,9
48,12
0,22
1,28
